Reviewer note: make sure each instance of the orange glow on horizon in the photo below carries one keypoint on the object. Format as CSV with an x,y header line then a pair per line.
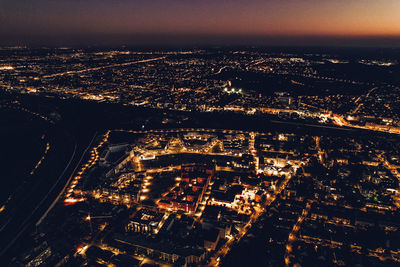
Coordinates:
x,y
212,19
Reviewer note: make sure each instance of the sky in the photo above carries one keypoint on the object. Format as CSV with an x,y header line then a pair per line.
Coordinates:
x,y
368,22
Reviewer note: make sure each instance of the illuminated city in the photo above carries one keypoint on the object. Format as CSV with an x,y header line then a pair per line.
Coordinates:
x,y
180,133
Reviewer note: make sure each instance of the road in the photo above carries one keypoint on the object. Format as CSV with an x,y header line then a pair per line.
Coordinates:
x,y
340,121
102,67
359,98
295,230
223,251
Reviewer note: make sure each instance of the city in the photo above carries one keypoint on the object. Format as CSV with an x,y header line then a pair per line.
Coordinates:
x,y
197,196
200,133
217,81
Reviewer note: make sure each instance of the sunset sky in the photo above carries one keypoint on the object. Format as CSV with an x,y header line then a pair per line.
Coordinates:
x,y
186,20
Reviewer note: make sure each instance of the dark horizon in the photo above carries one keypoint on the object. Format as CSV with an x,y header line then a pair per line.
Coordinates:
x,y
184,40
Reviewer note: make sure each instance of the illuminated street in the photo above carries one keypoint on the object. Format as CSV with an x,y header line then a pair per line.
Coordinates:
x,y
200,133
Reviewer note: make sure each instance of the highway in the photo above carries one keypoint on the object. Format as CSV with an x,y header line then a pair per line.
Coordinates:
x,y
103,67
340,121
